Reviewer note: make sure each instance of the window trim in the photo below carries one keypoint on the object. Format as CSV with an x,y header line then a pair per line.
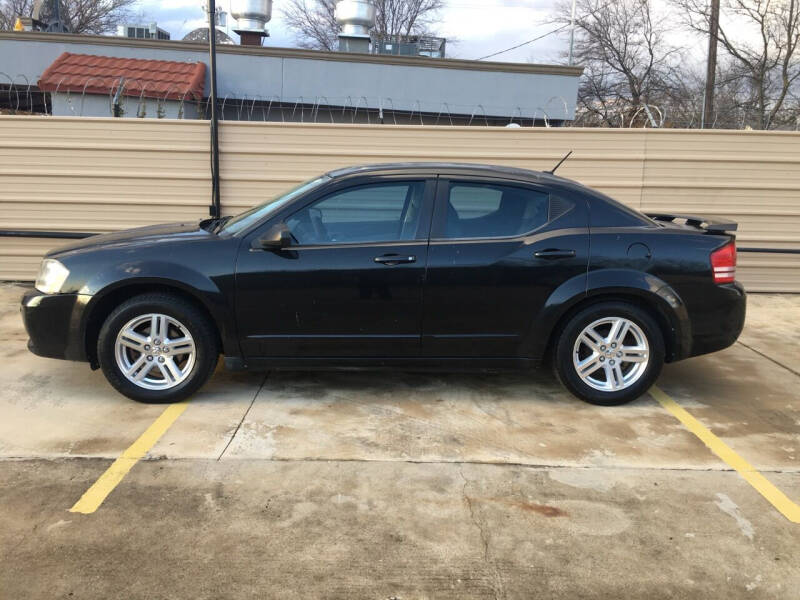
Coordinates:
x,y
442,197
422,233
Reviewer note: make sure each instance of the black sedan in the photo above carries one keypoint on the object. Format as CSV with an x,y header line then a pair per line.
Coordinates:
x,y
412,266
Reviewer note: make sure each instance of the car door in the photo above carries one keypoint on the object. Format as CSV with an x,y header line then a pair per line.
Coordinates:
x,y
498,250
350,283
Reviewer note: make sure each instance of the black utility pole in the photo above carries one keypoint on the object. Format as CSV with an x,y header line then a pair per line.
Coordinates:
x,y
214,209
707,117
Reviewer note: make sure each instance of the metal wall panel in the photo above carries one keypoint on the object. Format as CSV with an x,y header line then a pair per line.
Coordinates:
x,y
82,174
750,176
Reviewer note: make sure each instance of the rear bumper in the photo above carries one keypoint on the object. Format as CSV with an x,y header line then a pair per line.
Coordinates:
x,y
54,324
720,325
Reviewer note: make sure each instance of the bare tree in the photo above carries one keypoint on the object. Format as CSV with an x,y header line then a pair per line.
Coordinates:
x,y
81,16
761,38
682,100
397,19
314,21
10,10
628,64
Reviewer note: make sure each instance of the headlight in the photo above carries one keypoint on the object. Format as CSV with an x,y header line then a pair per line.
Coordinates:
x,y
52,276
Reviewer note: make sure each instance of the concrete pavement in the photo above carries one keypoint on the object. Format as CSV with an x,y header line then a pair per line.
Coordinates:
x,y
354,485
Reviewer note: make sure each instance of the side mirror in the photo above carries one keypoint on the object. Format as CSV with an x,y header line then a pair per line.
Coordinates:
x,y
276,237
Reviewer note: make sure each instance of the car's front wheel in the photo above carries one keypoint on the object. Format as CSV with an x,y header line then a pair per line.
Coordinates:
x,y
157,348
609,353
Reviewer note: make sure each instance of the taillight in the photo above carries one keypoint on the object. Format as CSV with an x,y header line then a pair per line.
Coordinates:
x,y
723,263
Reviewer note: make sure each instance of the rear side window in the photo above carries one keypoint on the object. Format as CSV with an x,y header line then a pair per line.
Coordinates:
x,y
607,212
479,210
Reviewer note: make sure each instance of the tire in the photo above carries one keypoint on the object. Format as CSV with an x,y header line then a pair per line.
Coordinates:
x,y
611,375
169,371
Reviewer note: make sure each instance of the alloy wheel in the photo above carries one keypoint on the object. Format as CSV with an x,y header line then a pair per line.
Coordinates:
x,y
611,354
155,351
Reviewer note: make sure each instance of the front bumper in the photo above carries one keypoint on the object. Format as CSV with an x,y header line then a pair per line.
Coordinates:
x,y
54,323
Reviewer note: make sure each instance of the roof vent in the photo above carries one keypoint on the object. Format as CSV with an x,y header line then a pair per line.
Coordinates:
x,y
356,18
251,17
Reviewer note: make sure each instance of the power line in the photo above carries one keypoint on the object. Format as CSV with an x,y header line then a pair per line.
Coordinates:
x,y
451,4
536,39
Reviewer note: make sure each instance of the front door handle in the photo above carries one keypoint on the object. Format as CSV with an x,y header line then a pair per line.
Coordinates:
x,y
553,253
395,259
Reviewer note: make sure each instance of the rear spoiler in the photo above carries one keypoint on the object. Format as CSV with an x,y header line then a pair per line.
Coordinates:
x,y
710,225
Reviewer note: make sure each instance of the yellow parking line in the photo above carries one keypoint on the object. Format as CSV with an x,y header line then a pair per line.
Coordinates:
x,y
777,498
97,493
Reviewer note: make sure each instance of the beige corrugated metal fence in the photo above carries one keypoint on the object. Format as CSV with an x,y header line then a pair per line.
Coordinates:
x,y
84,174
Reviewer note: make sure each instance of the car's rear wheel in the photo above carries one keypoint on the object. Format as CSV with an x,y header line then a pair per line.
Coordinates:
x,y
609,353
157,348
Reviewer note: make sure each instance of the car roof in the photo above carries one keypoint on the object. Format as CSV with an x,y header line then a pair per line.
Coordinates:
x,y
452,168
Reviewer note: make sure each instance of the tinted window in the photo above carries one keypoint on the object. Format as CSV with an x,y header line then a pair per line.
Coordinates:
x,y
488,210
258,213
370,213
607,212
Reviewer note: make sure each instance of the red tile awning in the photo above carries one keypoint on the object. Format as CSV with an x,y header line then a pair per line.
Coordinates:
x,y
164,79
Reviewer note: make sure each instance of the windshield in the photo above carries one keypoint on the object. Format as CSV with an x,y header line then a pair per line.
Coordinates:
x,y
250,217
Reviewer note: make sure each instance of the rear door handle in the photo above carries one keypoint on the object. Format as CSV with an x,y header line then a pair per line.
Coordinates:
x,y
395,259
553,253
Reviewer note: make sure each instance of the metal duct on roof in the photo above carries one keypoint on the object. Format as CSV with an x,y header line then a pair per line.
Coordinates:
x,y
251,15
356,17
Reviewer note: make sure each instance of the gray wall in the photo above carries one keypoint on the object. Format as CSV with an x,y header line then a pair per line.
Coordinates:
x,y
292,76
94,105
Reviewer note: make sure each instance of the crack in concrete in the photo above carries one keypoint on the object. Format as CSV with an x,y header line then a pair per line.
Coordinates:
x,y
541,466
498,588
244,416
430,425
769,358
507,421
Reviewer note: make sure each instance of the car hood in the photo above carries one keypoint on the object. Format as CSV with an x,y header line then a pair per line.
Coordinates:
x,y
140,236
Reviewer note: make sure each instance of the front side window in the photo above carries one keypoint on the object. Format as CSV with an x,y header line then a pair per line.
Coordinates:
x,y
370,213
478,210
258,213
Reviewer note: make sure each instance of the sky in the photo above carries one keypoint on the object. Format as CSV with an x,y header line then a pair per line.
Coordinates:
x,y
474,28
